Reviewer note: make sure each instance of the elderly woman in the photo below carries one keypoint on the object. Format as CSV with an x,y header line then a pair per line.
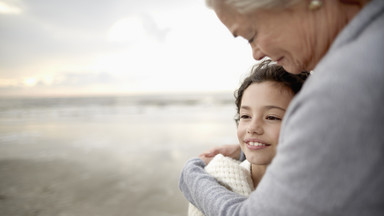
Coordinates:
x,y
330,155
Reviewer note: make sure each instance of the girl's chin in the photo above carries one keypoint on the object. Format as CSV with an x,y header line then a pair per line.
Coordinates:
x,y
260,161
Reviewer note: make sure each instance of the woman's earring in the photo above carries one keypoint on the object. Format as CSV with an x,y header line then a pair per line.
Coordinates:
x,y
315,4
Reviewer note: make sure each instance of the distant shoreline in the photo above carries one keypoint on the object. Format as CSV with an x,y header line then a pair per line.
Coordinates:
x,y
129,94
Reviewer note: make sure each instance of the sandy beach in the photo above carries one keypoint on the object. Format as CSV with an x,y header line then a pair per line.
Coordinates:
x,y
106,159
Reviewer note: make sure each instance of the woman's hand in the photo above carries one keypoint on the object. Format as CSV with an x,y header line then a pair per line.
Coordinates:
x,y
232,151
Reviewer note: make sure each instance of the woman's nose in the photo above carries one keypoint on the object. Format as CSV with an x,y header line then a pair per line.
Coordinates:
x,y
257,53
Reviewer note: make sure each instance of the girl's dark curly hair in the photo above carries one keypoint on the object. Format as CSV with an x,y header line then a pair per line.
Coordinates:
x,y
268,71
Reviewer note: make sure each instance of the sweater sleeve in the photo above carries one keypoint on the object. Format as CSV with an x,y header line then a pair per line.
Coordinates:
x,y
235,176
204,192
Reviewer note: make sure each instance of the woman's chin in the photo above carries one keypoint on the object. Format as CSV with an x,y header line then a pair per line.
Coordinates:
x,y
293,69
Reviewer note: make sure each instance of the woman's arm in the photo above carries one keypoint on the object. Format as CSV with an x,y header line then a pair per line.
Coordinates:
x,y
204,192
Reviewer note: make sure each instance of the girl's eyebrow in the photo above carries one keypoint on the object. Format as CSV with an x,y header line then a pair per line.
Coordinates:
x,y
266,107
245,107
274,107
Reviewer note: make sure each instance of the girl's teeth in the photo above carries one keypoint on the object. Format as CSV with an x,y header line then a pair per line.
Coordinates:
x,y
256,144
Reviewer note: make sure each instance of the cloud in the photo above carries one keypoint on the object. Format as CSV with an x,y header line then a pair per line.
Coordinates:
x,y
129,29
137,28
152,28
118,46
69,79
82,79
9,8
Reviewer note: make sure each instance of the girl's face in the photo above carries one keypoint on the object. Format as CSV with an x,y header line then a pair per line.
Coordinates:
x,y
285,36
263,106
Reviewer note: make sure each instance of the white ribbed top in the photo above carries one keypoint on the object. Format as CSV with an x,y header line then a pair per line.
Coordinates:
x,y
232,174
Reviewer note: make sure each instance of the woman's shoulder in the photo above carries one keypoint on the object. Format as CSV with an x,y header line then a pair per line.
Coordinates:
x,y
361,38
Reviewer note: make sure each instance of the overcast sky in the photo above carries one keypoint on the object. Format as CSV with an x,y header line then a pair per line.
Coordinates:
x,y
77,47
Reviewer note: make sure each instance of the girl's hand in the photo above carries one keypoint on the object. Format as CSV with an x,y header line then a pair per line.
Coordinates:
x,y
232,151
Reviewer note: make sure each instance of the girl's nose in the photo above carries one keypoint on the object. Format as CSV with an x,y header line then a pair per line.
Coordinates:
x,y
255,127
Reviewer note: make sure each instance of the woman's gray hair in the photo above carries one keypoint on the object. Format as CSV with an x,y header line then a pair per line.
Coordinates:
x,y
245,6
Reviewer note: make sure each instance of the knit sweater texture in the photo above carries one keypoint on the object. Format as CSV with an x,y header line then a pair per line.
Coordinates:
x,y
232,174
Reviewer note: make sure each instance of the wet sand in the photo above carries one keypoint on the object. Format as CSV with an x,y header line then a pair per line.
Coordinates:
x,y
75,163
63,187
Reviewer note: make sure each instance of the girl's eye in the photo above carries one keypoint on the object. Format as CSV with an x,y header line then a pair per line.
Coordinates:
x,y
273,118
245,117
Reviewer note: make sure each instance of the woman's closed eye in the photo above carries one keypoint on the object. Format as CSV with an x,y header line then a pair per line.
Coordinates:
x,y
251,40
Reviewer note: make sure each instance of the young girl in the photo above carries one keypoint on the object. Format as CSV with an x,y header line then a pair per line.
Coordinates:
x,y
261,101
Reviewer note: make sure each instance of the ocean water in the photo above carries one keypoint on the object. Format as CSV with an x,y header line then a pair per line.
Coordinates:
x,y
111,155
